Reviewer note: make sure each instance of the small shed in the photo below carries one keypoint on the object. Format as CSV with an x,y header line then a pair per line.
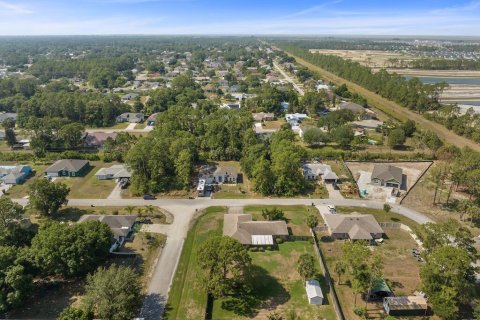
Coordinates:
x,y
314,292
405,306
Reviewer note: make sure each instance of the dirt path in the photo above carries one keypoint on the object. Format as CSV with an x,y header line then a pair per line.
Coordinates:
x,y
393,109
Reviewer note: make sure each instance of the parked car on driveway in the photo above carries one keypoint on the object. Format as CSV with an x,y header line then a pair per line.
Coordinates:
x,y
149,197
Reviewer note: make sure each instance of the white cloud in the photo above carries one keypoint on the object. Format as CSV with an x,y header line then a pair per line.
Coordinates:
x,y
14,8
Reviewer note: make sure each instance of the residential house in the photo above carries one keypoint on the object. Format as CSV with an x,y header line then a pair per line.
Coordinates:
x,y
314,292
14,174
68,168
121,226
225,174
97,139
117,171
263,116
241,227
152,119
230,106
405,306
296,116
314,171
354,107
386,175
7,115
284,105
129,96
368,124
130,117
353,226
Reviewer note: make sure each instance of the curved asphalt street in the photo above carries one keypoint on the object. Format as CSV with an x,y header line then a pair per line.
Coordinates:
x,y
184,211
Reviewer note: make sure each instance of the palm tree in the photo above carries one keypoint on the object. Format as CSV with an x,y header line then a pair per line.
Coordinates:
x,y
130,209
340,268
149,209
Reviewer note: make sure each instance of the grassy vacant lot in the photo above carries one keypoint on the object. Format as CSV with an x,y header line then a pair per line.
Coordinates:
x,y
401,270
278,286
89,187
391,108
296,216
20,190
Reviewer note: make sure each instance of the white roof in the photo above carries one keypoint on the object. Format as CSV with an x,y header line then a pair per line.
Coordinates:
x,y
262,240
313,289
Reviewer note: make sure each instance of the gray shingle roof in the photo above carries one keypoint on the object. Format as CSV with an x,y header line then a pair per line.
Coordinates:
x,y
387,172
242,228
71,165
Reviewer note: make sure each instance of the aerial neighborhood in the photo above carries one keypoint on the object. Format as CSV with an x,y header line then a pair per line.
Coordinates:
x,y
234,178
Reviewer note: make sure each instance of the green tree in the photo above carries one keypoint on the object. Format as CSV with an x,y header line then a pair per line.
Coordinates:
x,y
9,212
225,261
263,180
447,278
274,316
71,313
184,168
340,268
72,135
312,220
10,137
273,214
60,249
315,136
409,128
306,266
47,197
396,137
113,293
343,135
387,207
15,283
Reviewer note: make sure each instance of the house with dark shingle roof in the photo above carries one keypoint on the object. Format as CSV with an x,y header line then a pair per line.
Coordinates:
x,y
353,226
242,228
386,175
68,168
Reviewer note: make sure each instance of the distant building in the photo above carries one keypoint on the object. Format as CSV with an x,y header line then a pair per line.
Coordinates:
x,y
97,139
152,119
117,171
354,107
129,96
68,168
14,174
405,306
131,117
263,116
7,115
230,106
314,171
225,174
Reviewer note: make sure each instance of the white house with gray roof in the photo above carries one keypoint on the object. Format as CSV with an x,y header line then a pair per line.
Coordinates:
x,y
353,226
386,175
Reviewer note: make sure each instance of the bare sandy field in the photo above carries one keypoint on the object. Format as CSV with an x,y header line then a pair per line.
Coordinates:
x,y
370,58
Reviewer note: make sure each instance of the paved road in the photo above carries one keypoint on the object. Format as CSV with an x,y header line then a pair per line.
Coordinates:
x,y
184,210
289,79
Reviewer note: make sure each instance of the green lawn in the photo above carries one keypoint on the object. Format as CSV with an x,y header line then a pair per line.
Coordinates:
x,y
277,284
89,187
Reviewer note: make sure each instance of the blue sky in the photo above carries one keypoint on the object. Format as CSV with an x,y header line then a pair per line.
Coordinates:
x,y
332,17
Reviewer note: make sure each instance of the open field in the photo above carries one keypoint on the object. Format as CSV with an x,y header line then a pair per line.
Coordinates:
x,y
393,109
89,187
437,73
277,285
369,58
